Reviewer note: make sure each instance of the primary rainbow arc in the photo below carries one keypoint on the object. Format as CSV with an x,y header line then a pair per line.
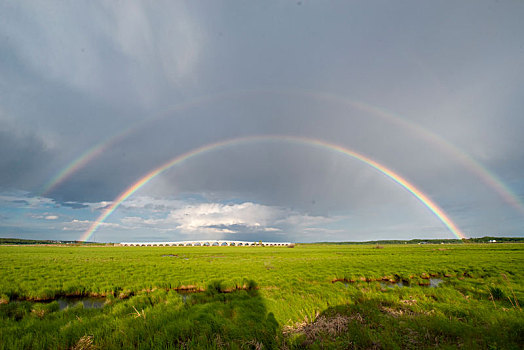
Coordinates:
x,y
423,198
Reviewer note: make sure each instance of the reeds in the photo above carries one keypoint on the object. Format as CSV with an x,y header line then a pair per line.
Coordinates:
x,y
515,301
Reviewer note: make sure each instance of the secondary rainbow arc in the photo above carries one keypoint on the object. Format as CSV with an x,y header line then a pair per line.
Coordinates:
x,y
423,198
474,166
487,176
98,149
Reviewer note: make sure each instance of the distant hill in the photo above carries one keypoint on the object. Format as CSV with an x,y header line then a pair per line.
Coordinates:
x,y
485,239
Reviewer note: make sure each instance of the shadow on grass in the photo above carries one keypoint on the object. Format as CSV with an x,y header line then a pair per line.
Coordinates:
x,y
214,319
376,323
217,319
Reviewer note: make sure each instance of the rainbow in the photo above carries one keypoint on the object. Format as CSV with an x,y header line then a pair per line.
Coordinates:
x,y
73,167
466,160
474,166
439,213
99,148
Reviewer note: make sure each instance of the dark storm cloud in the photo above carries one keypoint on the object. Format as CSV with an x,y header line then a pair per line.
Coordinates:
x,y
22,156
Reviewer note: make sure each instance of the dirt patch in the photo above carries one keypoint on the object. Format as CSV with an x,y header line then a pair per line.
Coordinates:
x,y
332,326
396,312
188,289
84,343
343,280
38,313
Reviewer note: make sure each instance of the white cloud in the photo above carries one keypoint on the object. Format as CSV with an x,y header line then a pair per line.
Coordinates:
x,y
25,199
99,205
219,218
80,225
209,217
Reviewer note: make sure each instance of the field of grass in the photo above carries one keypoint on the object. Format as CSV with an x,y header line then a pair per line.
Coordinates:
x,y
310,296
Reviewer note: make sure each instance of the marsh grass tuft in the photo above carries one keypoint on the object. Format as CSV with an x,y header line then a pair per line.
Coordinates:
x,y
515,302
496,293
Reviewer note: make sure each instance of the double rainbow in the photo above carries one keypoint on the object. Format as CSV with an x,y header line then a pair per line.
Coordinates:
x,y
466,160
434,208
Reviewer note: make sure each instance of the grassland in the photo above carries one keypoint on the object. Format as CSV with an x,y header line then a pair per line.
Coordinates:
x,y
311,296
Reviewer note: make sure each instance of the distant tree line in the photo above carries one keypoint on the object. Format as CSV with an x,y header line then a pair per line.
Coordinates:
x,y
38,241
485,239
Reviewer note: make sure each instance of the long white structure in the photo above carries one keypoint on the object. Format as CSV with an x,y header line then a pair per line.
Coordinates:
x,y
203,243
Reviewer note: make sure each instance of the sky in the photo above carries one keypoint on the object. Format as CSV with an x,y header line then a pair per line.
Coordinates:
x,y
287,121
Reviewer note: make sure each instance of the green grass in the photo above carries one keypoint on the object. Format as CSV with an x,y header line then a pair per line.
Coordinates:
x,y
263,296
